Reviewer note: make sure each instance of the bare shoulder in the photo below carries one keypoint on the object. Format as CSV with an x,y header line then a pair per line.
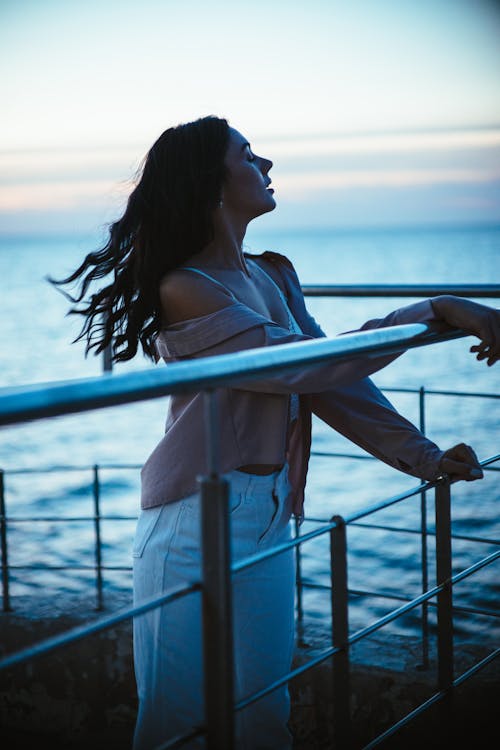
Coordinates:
x,y
185,295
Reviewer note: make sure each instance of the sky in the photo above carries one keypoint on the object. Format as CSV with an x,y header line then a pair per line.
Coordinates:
x,y
374,112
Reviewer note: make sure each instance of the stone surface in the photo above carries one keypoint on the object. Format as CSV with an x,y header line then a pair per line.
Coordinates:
x,y
83,696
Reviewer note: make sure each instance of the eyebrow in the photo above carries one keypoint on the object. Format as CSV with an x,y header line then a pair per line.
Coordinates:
x,y
244,145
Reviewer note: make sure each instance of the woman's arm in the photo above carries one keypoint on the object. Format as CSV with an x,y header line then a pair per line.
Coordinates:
x,y
441,313
367,418
361,413
479,320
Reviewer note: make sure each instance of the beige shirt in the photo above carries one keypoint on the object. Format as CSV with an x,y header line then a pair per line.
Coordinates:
x,y
254,416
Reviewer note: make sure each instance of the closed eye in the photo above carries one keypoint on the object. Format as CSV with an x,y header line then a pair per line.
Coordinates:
x,y
250,155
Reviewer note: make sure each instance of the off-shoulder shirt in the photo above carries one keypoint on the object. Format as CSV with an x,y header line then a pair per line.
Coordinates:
x,y
254,416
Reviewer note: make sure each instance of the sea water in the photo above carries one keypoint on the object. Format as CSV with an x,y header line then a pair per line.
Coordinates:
x,y
36,343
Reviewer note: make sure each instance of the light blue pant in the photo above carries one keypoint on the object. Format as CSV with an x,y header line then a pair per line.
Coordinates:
x,y
168,642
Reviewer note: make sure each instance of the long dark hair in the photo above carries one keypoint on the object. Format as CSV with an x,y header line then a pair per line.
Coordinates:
x,y
169,217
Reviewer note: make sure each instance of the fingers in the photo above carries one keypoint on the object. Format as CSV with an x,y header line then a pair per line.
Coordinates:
x,y
461,463
462,452
485,351
457,470
489,347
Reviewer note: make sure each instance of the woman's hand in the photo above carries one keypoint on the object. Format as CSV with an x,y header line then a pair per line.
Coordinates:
x,y
460,462
480,320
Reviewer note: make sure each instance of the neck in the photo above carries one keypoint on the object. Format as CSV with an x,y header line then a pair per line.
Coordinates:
x,y
226,249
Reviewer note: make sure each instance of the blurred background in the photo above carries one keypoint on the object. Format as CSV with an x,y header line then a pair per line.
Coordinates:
x,y
375,112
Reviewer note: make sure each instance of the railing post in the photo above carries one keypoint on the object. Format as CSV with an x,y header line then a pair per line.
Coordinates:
x,y
217,599
340,634
423,549
444,597
3,542
97,529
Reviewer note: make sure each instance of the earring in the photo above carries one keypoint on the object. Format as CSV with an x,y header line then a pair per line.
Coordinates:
x,y
221,203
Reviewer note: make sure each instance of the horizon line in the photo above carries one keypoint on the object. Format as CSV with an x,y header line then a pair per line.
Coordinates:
x,y
407,226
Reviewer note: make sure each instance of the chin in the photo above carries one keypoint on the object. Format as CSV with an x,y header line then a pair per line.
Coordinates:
x,y
264,208
271,205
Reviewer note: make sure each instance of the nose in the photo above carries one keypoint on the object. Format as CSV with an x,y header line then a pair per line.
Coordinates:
x,y
265,165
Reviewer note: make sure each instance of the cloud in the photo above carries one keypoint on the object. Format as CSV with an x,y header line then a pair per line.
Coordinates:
x,y
64,196
311,174
299,186
444,141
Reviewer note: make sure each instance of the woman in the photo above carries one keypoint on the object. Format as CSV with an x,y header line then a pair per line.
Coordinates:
x,y
183,287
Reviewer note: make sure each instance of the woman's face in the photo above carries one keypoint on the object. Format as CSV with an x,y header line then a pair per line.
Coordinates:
x,y
246,193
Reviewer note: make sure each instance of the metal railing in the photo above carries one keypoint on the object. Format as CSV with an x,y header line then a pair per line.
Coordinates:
x,y
18,405
478,291
401,290
99,568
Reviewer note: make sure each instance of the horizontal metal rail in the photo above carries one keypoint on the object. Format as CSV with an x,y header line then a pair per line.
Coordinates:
x,y
104,623
490,291
78,633
363,633
103,517
398,597
435,392
439,696
418,600
61,519
403,530
94,567
251,560
326,527
32,402
70,468
247,562
433,700
181,740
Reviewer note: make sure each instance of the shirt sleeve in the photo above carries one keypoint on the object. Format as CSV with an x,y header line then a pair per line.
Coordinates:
x,y
359,410
365,416
417,312
237,328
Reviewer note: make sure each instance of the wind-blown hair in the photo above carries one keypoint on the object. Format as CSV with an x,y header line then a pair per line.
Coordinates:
x,y
168,218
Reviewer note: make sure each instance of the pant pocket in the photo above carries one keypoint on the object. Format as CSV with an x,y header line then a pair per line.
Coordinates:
x,y
145,526
269,524
235,501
